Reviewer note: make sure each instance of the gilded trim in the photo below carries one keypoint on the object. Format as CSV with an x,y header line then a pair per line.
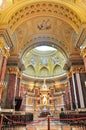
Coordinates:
x,y
12,70
83,52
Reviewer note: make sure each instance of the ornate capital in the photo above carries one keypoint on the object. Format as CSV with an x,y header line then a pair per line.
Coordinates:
x,y
5,52
83,52
77,69
69,75
37,87
12,70
51,87
2,44
19,75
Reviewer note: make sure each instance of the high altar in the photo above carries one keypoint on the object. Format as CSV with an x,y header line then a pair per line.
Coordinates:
x,y
46,99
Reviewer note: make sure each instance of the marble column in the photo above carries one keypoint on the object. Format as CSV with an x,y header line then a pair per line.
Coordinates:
x,y
67,97
1,59
11,87
52,101
76,71
4,54
19,76
3,69
36,99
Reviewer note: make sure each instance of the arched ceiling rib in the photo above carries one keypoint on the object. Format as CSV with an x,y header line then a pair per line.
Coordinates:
x,y
44,40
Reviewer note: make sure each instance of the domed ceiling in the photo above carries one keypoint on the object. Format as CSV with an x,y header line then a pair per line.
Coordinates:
x,y
44,62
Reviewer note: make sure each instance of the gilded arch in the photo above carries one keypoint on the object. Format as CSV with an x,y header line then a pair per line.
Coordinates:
x,y
26,10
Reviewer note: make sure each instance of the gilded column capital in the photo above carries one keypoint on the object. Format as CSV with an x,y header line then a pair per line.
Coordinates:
x,y
5,52
12,70
77,69
19,75
2,46
36,87
66,84
51,87
83,52
69,75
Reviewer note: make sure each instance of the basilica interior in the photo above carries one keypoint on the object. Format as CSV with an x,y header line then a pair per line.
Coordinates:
x,y
42,57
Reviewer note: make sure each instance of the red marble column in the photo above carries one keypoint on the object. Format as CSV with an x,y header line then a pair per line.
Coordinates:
x,y
77,71
83,54
36,101
67,96
84,59
12,72
51,98
5,54
1,59
11,91
72,96
81,79
18,85
3,69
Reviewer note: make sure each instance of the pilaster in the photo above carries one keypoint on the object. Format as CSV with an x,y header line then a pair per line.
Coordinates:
x,y
51,98
37,95
11,87
4,54
70,84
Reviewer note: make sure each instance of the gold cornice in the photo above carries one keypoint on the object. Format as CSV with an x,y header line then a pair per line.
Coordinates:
x,y
83,52
77,69
12,70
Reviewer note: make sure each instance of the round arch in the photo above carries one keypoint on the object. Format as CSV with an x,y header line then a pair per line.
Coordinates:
x,y
28,9
39,41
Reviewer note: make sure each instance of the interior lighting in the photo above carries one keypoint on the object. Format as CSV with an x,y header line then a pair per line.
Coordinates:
x,y
45,48
1,2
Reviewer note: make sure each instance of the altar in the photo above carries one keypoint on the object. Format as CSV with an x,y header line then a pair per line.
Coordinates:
x,y
44,114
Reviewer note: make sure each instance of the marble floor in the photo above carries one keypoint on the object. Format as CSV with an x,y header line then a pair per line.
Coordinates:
x,y
43,125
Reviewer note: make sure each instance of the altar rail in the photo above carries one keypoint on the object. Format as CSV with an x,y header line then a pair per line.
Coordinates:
x,y
73,117
17,117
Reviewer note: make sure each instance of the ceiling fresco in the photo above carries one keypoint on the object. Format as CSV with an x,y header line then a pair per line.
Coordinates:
x,y
45,26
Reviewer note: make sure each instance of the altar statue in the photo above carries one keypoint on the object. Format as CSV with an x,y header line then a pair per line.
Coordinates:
x,y
44,100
